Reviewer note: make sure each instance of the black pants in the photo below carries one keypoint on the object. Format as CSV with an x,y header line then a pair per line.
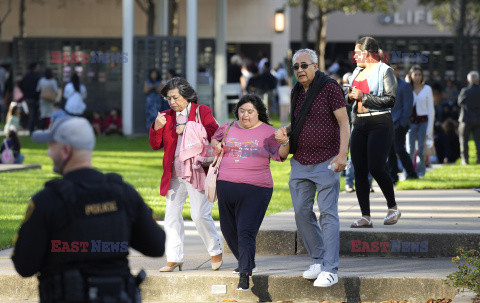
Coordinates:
x,y
370,145
33,114
242,208
398,149
464,130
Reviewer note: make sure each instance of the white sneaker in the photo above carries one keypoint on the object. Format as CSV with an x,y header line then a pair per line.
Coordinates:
x,y
326,279
313,271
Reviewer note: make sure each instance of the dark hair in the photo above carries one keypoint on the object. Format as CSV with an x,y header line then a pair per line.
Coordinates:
x,y
159,77
12,135
184,89
32,66
413,69
257,103
449,126
48,73
57,104
76,82
368,44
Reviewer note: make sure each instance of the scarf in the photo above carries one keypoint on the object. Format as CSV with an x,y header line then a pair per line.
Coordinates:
x,y
318,83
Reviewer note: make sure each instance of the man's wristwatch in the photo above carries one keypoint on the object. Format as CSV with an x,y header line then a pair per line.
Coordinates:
x,y
283,144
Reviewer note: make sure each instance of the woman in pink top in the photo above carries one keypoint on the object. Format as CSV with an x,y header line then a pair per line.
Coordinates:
x,y
245,184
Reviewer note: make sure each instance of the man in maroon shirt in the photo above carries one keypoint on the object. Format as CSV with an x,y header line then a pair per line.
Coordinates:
x,y
319,135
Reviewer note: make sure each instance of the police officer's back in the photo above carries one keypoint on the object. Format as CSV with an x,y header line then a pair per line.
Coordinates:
x,y
77,230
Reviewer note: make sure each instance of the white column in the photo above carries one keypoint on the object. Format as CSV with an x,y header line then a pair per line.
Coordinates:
x,y
281,41
127,68
192,13
162,17
220,60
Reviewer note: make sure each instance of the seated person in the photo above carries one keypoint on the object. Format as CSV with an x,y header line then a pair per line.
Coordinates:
x,y
98,123
114,123
14,116
13,143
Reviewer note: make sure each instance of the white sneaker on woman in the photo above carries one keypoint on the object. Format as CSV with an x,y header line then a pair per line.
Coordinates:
x,y
313,271
326,279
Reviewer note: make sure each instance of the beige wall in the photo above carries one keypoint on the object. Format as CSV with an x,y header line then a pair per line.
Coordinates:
x,y
78,18
347,28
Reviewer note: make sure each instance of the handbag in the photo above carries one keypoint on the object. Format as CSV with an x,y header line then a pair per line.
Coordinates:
x,y
429,151
7,154
48,94
211,179
207,156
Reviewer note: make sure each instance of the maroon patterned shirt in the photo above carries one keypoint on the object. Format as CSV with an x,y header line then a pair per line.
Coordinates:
x,y
319,139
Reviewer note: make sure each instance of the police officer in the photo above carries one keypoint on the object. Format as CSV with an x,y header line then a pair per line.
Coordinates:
x,y
77,230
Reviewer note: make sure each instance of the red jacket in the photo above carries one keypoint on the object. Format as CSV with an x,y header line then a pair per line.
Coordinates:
x,y
167,138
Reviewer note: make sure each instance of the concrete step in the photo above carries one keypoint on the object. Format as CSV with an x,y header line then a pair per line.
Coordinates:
x,y
434,223
372,279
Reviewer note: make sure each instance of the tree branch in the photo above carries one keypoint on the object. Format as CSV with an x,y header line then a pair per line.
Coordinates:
x,y
8,12
141,6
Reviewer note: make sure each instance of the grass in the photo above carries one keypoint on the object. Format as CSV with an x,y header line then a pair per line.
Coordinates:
x,y
449,176
141,167
130,157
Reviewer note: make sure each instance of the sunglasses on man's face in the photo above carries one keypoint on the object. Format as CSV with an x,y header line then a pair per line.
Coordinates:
x,y
303,66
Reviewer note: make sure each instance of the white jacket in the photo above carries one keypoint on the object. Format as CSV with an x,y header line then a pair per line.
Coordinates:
x,y
424,105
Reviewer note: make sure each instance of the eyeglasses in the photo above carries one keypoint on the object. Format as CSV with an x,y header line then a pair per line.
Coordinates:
x,y
303,66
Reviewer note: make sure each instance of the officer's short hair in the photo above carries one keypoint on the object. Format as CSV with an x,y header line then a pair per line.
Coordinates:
x,y
74,131
472,76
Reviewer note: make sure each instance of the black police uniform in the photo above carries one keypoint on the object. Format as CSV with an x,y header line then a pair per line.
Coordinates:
x,y
76,233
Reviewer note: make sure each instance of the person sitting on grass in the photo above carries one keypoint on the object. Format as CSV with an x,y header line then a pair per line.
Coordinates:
x,y
13,142
114,123
14,116
98,123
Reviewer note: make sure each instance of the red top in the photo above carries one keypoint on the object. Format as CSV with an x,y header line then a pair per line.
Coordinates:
x,y
361,85
167,138
319,139
115,121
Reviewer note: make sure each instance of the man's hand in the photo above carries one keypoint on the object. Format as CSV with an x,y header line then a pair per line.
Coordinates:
x,y
281,135
160,121
340,162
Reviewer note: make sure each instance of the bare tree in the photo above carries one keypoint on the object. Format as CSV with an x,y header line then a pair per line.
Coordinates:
x,y
148,7
9,9
326,7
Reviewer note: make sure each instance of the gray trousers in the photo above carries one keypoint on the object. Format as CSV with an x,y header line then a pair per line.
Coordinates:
x,y
321,241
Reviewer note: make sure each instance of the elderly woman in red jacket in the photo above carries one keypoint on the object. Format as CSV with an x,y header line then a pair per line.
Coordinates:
x,y
166,132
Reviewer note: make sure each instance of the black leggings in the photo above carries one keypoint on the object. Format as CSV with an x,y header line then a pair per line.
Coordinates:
x,y
371,140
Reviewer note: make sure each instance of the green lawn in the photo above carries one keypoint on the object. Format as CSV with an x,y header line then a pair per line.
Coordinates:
x,y
449,176
140,166
130,157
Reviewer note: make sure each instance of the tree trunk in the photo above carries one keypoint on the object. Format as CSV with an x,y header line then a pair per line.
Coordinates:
x,y
151,18
173,17
22,18
460,43
305,24
321,41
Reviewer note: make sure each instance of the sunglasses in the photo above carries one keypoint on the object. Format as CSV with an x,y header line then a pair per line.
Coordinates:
x,y
303,66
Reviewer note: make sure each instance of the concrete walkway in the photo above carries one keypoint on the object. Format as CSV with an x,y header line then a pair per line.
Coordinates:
x,y
378,277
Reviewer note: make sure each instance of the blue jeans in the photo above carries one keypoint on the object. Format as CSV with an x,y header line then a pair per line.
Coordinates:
x,y
322,237
416,138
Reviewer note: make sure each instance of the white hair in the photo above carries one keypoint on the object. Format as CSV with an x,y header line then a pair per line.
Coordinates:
x,y
236,60
472,76
311,53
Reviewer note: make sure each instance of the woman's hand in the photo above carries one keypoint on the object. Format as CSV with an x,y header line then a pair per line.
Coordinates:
x,y
160,121
217,146
180,129
355,94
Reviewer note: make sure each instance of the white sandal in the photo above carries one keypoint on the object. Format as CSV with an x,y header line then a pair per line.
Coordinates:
x,y
392,217
356,224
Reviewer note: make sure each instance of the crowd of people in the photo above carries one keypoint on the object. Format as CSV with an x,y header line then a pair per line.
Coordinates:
x,y
385,112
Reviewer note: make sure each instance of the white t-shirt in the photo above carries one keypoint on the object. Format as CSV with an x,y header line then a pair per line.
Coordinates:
x,y
75,104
